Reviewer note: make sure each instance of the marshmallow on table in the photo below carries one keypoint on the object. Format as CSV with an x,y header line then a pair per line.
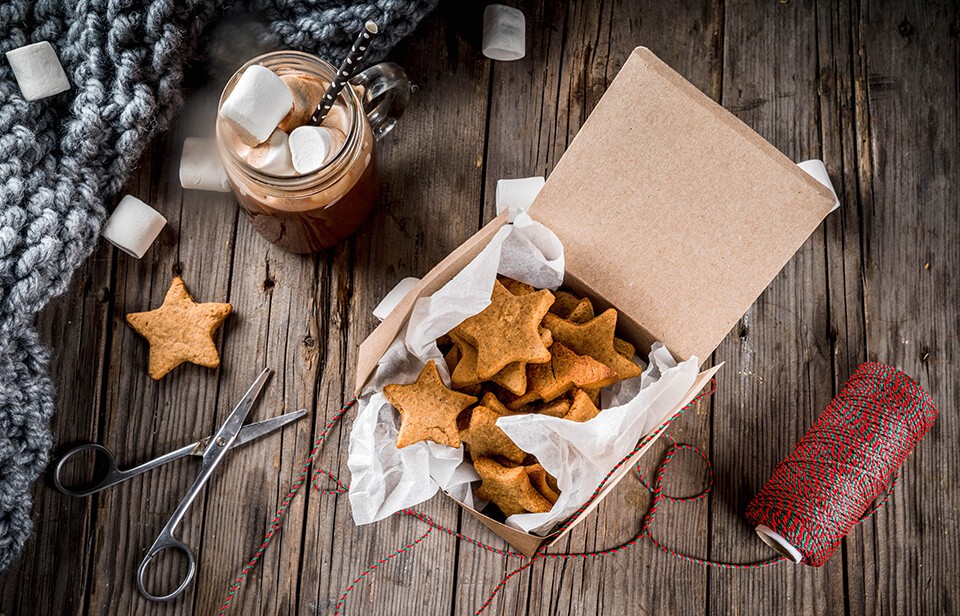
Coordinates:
x,y
38,71
516,195
391,299
311,146
504,33
133,226
200,166
272,156
257,104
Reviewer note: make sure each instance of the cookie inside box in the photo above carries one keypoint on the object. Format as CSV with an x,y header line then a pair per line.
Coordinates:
x,y
671,210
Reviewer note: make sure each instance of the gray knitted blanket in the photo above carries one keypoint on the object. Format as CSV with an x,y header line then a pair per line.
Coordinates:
x,y
63,157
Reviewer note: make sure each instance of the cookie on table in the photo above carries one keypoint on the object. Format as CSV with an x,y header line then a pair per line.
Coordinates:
x,y
509,489
180,331
428,409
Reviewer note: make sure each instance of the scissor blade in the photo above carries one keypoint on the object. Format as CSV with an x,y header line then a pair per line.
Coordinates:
x,y
253,431
234,423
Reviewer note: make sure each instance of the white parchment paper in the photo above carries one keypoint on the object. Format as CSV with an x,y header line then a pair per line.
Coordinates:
x,y
385,479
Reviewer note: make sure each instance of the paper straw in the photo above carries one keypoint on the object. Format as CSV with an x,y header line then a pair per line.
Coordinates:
x,y
348,69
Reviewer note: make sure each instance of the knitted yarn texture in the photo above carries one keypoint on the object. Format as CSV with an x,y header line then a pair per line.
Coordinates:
x,y
62,157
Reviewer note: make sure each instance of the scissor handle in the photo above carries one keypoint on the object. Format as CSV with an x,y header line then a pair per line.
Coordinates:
x,y
166,541
112,477
114,474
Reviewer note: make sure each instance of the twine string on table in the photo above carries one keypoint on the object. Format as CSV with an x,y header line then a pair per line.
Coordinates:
x,y
904,393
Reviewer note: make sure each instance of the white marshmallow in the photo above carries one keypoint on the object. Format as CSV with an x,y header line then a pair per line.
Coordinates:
x,y
394,297
273,155
310,146
818,171
133,226
257,103
504,33
38,71
200,166
517,195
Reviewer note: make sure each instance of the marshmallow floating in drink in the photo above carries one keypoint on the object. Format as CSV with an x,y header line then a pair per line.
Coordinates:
x,y
311,146
257,104
133,226
38,71
504,36
200,166
272,156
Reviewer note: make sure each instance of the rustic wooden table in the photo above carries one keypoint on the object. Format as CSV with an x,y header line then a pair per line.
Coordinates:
x,y
870,89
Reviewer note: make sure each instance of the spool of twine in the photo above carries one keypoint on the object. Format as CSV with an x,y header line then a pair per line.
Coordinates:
x,y
845,461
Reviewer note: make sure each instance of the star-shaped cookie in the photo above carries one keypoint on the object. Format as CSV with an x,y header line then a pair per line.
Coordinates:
x,y
508,488
541,482
507,330
428,409
563,372
485,439
582,409
181,330
593,338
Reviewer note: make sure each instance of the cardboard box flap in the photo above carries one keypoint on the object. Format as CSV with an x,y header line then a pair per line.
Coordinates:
x,y
675,211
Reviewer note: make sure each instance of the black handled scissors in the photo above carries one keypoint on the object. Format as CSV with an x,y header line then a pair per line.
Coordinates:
x,y
212,449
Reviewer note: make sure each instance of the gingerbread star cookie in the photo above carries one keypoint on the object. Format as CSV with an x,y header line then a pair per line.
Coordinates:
x,y
563,372
513,376
572,308
509,488
485,439
507,330
181,330
582,409
539,479
428,410
593,338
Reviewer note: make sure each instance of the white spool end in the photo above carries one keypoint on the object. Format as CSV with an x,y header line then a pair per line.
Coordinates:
x,y
38,71
504,33
778,543
394,297
133,226
517,194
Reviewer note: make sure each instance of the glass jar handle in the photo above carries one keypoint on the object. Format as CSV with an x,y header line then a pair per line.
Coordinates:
x,y
386,92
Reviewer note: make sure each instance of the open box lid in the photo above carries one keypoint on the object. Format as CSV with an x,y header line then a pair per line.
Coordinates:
x,y
674,210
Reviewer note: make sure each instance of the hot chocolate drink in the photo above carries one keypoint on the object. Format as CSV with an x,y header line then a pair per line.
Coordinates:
x,y
304,188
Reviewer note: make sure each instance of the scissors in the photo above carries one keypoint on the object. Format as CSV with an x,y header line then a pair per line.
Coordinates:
x,y
212,449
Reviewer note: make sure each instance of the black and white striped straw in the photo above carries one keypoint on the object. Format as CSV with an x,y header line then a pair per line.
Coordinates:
x,y
348,68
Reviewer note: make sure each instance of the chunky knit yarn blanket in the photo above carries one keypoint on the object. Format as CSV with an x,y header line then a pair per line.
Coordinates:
x,y
63,157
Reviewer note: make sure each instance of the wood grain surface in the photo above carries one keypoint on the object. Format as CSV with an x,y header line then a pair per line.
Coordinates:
x,y
870,87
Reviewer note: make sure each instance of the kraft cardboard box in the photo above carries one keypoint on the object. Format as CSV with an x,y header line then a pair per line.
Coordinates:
x,y
669,209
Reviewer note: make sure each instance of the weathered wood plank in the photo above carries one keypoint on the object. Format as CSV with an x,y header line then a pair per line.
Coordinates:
x,y
777,376
429,206
144,418
577,51
907,82
74,327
